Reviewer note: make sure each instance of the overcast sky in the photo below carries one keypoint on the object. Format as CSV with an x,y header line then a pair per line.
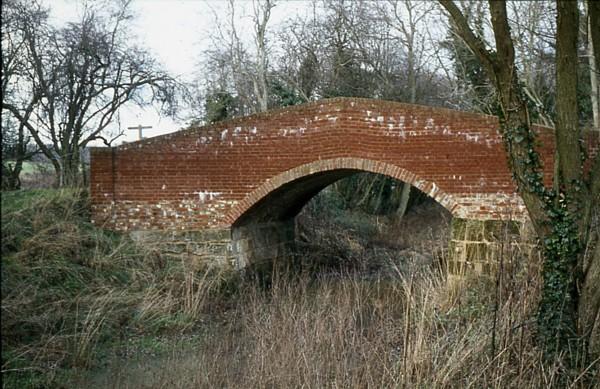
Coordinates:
x,y
176,32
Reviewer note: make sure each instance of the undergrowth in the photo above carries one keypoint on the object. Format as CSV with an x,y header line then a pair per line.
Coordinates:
x,y
70,288
85,307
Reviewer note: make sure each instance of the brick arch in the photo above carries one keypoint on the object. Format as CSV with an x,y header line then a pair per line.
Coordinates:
x,y
229,190
207,177
335,164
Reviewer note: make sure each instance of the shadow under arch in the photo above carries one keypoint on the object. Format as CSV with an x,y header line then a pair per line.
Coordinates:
x,y
263,222
300,184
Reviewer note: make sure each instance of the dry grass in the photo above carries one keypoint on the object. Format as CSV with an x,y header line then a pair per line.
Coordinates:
x,y
69,289
72,293
355,333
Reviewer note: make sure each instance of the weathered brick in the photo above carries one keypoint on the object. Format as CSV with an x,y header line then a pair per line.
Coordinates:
x,y
208,178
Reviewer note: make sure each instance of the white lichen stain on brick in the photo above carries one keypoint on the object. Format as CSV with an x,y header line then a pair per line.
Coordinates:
x,y
292,131
204,194
472,138
399,126
429,124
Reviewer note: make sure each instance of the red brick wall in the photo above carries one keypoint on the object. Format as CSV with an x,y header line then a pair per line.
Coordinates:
x,y
208,176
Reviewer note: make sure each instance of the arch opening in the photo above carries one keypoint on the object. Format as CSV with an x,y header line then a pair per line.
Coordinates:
x,y
266,231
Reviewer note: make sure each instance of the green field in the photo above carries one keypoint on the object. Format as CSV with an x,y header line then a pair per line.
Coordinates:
x,y
30,168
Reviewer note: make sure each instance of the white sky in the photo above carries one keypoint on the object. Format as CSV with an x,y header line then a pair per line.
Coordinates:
x,y
176,32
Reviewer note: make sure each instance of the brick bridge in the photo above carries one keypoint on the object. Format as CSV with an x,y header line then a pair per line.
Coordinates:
x,y
229,192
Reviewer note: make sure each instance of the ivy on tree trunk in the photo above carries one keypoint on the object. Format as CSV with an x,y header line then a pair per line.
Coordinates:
x,y
560,215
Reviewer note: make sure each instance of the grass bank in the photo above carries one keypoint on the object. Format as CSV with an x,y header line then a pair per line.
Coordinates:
x,y
71,291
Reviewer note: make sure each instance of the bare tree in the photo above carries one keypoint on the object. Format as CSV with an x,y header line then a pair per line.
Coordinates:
x,y
234,69
408,19
75,80
262,13
15,140
535,53
302,46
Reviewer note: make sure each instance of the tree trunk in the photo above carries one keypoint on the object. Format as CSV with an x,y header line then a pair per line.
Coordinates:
x,y
404,198
10,175
594,92
67,170
589,304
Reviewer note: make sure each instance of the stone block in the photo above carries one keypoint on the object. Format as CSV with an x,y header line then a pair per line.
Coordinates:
x,y
456,250
174,248
476,252
474,230
212,234
458,228
501,230
494,251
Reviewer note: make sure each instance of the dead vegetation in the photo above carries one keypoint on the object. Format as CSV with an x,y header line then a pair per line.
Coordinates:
x,y
69,288
82,307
